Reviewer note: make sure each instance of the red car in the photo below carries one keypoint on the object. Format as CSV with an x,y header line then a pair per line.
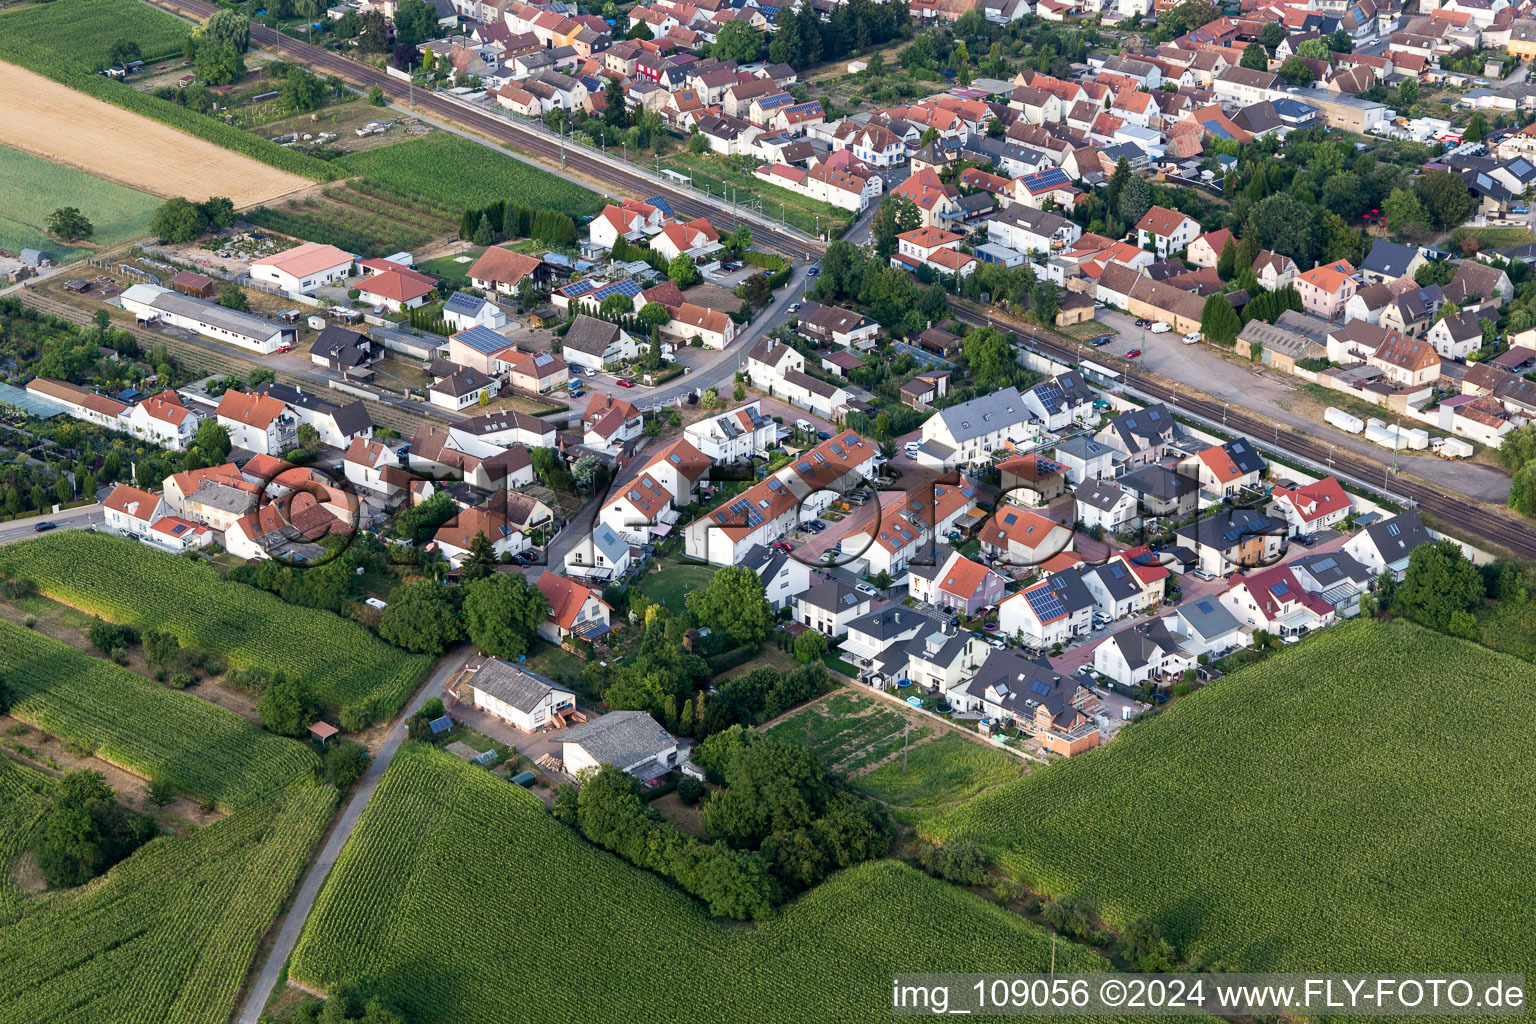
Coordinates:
x,y
783,546
1133,353
621,382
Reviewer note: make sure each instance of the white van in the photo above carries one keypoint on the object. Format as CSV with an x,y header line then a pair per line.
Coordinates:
x,y
804,425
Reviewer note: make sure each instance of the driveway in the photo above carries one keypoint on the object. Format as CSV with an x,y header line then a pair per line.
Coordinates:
x,y
304,901
1272,395
532,745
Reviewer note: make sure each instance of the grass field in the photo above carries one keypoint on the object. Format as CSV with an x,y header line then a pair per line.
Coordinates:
x,y
127,582
1495,238
432,899
367,225
1357,802
168,934
31,188
863,736
459,173
799,209
78,35
456,266
671,586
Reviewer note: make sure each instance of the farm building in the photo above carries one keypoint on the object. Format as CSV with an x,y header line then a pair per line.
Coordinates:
x,y
519,697
304,268
628,740
152,304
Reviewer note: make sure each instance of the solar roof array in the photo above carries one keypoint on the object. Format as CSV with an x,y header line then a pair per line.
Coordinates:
x,y
1047,606
1041,687
626,287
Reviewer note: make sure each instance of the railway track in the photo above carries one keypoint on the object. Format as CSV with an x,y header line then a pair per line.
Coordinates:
x,y
1497,528
517,136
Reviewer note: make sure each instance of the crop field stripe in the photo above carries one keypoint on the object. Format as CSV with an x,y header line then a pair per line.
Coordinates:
x,y
455,882
127,582
31,188
1360,799
460,173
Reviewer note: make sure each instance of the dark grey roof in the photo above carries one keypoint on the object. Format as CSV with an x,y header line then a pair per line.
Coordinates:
x,y
1117,580
1332,569
512,684
622,738
1103,495
889,622
466,381
1144,428
1397,537
1158,482
1083,448
1023,683
1244,456
985,414
1230,527
1070,591
764,560
341,346
833,595
1208,617
937,647
589,335
1389,258
1141,643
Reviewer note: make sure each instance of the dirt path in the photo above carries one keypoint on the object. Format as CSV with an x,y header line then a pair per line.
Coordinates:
x,y
57,123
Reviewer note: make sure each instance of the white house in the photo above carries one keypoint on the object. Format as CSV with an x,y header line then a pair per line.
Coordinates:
x,y
1275,601
1105,504
1207,627
523,699
1317,506
257,423
735,435
1456,337
971,431
829,606
131,510
1054,611
151,304
463,311
163,419
592,343
631,741
1147,650
462,389
600,554
1384,546
304,267
1167,230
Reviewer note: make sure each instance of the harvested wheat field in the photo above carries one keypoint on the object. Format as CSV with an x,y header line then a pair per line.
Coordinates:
x,y
69,127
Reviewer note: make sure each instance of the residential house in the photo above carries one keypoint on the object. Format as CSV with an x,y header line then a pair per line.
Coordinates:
x,y
925,388
600,555
675,238
462,389
372,467
1161,492
1205,250
451,454
1407,362
131,511
1388,261
1061,401
631,741
304,268
711,327
829,606
639,511
733,436
1274,601
337,425
1105,504
535,371
463,311
1010,687
1016,536
934,200
875,643
943,657
1232,539
1031,480
1384,546
1273,270
1140,435
503,271
1325,290
1456,337
1477,286
454,538
257,422
574,610
1168,231
1057,610
348,353
1085,458
1028,230
1335,577
955,584
970,431
1312,508
164,419
591,343
610,425
1225,471
517,696
1207,627
837,326
1148,650
1413,309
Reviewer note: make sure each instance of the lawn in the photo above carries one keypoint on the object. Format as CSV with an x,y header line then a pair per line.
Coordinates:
x,y
431,899
31,188
671,586
455,267
78,35
1357,802
779,203
168,934
128,582
941,770
457,173
1494,238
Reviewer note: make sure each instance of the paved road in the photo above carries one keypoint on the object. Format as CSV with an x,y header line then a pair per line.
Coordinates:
x,y
1270,394
83,518
298,913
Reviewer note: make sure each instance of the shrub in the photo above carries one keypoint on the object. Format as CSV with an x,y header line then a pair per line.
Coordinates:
x,y
345,763
962,863
355,718
690,790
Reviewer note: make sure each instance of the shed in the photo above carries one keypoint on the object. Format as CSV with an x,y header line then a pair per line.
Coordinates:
x,y
199,286
323,731
525,779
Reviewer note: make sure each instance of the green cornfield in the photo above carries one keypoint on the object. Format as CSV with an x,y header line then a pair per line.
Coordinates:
x,y
1360,802
128,582
460,173
469,903
168,934
23,801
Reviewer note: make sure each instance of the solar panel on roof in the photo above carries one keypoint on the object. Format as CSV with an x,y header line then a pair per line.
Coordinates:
x,y
661,204
1204,606
1281,588
1154,414
1045,603
1041,687
578,288
1010,519
1325,564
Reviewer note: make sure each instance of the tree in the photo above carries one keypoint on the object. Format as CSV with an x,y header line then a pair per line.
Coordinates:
x,y
734,605
698,145
1476,129
212,440
161,792
1317,49
640,30
1135,199
372,32
345,762
87,831
1440,581
219,63
810,646
1518,447
1403,208
1522,490
227,27
123,51
1434,272
1445,198
683,272
1218,320
420,617
895,215
232,296
502,613
1226,262
755,290
288,706
1045,303
484,234
68,224
375,96
736,40
177,221
415,22
1340,42
218,211
771,786
1296,71
989,354
615,306
1286,225
302,91
1407,92
481,560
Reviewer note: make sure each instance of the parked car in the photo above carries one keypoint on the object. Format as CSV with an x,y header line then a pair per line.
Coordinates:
x,y
1160,328
45,525
1306,540
822,435
1201,574
813,271
1133,353
866,589
794,307
1100,342
578,393
1192,338
1142,322
783,545
591,372
621,382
